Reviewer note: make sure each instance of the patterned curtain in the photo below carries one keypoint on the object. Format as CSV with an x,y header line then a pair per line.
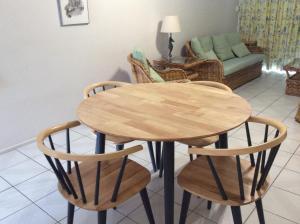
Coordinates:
x,y
275,25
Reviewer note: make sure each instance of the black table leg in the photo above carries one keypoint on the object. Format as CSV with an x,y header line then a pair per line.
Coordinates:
x,y
223,141
169,182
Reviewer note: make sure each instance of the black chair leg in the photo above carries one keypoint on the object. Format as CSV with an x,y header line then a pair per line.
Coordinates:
x,y
71,208
185,206
158,154
151,152
191,157
209,205
147,205
260,211
120,147
102,217
236,214
161,168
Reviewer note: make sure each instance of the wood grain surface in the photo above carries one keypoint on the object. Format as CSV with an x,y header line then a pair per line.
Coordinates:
x,y
164,111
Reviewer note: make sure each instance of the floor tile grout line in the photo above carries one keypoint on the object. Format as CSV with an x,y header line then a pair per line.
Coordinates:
x,y
281,216
32,202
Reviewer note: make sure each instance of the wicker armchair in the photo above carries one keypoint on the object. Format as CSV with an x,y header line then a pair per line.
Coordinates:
x,y
213,70
141,75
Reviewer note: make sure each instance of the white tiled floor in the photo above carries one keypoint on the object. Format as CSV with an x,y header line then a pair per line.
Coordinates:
x,y
28,191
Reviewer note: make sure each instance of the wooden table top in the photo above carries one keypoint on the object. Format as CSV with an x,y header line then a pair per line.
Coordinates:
x,y
164,111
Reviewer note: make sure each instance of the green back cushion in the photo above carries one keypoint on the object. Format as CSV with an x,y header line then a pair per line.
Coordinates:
x,y
197,48
211,55
233,38
137,54
222,47
206,43
155,76
240,50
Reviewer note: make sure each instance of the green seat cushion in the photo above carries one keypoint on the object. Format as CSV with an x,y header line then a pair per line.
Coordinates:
x,y
206,43
233,38
198,49
211,55
155,76
236,64
139,55
240,50
222,47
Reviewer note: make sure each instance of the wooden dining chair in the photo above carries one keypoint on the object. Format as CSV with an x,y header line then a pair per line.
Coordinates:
x,y
93,89
222,176
95,182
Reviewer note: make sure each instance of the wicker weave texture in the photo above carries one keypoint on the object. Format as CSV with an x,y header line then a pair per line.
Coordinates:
x,y
141,75
213,70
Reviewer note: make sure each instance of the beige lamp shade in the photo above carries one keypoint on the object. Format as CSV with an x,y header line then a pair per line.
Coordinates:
x,y
171,25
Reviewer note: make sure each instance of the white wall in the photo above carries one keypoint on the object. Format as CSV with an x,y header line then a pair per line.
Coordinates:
x,y
44,67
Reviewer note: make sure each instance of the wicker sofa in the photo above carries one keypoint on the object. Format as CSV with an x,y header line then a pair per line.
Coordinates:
x,y
233,72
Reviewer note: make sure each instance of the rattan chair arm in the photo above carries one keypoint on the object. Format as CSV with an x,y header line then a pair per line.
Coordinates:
x,y
172,74
210,70
89,88
76,157
248,150
189,51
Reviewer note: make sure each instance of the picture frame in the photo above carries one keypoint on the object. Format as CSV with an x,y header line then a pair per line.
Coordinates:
x,y
73,12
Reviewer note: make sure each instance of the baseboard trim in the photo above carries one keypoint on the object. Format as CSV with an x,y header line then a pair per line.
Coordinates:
x,y
11,148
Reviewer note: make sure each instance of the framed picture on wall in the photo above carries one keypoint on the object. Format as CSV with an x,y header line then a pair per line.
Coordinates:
x,y
73,12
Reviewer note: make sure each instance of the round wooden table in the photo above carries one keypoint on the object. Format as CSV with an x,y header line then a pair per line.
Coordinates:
x,y
165,112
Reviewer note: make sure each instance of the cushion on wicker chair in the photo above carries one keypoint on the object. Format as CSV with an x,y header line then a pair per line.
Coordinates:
x,y
206,43
236,64
240,50
211,55
140,56
222,47
155,76
198,49
233,38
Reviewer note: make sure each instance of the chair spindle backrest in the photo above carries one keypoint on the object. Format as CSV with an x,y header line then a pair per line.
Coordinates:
x,y
54,157
262,165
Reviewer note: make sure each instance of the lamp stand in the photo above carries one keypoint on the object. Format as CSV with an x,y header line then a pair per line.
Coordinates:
x,y
171,41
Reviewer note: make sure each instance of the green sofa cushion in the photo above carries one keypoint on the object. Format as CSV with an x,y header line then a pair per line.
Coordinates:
x,y
240,50
206,43
139,55
198,49
233,38
155,76
236,64
222,47
211,55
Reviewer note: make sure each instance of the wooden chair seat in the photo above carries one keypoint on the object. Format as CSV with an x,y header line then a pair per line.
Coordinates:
x,y
134,180
201,142
197,178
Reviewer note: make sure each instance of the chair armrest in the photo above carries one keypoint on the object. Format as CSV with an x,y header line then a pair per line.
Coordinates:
x,y
172,74
210,70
